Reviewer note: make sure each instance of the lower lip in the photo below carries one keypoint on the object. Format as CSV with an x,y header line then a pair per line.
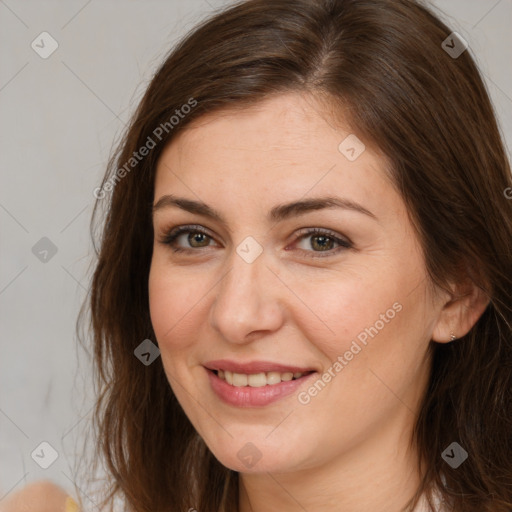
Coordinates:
x,y
247,396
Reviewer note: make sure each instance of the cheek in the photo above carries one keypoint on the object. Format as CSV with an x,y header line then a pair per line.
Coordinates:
x,y
379,338
173,301
336,311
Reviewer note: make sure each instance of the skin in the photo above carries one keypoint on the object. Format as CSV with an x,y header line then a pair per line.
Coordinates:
x,y
40,496
347,449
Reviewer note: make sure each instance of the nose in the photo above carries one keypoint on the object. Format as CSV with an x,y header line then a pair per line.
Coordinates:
x,y
248,302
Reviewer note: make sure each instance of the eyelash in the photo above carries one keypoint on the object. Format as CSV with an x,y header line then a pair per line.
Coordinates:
x,y
169,239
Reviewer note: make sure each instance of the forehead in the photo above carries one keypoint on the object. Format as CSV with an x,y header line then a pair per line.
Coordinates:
x,y
288,124
282,148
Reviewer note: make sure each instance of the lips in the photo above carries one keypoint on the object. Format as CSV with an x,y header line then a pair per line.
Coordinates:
x,y
255,383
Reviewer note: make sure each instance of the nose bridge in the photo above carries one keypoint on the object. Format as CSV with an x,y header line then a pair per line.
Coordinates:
x,y
245,300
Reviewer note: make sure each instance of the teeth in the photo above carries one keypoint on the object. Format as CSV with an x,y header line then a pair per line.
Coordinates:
x,y
257,380
239,379
273,378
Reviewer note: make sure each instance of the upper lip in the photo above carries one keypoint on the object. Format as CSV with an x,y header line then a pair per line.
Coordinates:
x,y
254,367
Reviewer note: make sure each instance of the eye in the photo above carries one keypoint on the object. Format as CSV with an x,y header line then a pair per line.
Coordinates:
x,y
197,237
322,241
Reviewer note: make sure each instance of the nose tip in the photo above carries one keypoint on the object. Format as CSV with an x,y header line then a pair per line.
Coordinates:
x,y
246,304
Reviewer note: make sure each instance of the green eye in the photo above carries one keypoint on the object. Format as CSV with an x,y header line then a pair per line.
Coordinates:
x,y
322,241
196,235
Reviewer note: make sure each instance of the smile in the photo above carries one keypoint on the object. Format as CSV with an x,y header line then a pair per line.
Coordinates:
x,y
257,380
255,384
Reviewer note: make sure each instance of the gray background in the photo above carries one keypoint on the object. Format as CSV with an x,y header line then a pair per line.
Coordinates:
x,y
59,119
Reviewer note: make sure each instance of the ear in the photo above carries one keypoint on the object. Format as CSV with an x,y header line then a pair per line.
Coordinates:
x,y
460,312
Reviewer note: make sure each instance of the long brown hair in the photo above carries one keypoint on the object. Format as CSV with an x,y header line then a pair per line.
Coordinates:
x,y
384,66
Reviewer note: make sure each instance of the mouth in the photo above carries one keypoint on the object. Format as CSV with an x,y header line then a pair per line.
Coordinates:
x,y
255,384
258,380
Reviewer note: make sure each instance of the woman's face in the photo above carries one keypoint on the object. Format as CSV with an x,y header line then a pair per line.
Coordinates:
x,y
255,292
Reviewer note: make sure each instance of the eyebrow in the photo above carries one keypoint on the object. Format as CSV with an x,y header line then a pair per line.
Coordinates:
x,y
276,214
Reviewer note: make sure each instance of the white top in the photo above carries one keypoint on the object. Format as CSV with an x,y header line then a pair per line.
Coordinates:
x,y
422,505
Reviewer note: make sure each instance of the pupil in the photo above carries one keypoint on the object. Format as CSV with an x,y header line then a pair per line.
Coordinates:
x,y
194,238
323,241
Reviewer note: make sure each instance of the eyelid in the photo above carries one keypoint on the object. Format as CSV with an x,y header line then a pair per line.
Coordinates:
x,y
313,230
169,235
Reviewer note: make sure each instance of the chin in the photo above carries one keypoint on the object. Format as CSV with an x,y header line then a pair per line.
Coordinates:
x,y
258,456
263,465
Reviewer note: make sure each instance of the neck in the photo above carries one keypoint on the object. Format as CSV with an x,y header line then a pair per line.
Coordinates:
x,y
378,474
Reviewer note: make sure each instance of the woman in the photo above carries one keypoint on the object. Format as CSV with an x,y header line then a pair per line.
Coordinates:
x,y
303,294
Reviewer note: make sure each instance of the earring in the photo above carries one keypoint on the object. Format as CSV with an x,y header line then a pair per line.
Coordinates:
x,y
452,336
